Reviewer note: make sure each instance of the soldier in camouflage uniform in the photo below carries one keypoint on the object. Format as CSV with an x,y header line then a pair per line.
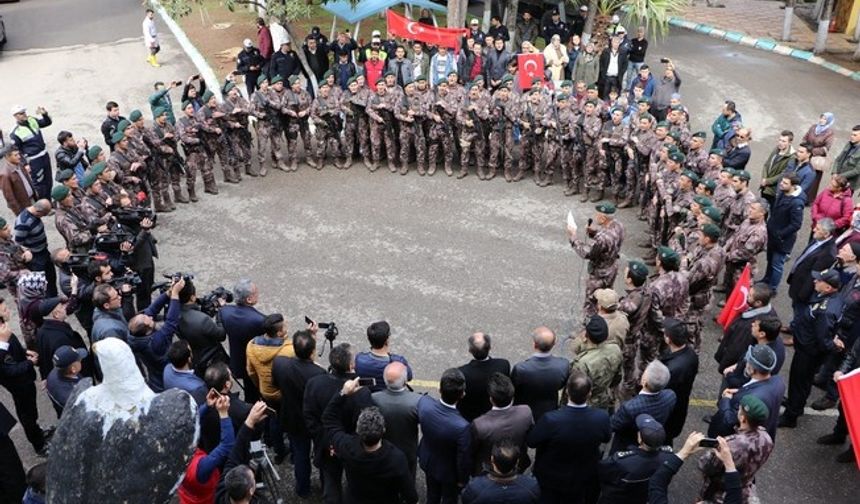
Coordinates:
x,y
411,113
642,142
745,244
173,163
724,194
211,122
380,111
353,107
297,107
679,128
600,360
158,162
196,158
637,305
697,156
325,113
277,96
670,297
441,137
740,204
470,117
531,155
264,113
236,109
591,126
122,162
553,142
13,257
602,253
614,138
704,270
70,222
501,124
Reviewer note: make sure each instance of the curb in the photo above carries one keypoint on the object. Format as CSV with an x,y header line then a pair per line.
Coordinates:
x,y
212,82
764,44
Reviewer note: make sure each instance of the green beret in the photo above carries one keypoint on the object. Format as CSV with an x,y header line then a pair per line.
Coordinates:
x,y
677,156
293,79
123,125
98,168
663,124
381,80
638,269
676,107
411,83
117,137
703,201
591,86
591,102
93,152
2,223
712,231
754,408
700,134
480,77
710,184
392,74
351,80
566,83
691,175
668,256
605,208
59,193
616,109
440,81
327,74
228,87
718,152
731,171
276,79
326,84
421,77
644,99
506,79
675,135
64,175
261,79
563,97
743,175
135,115
89,179
158,112
186,104
454,72
713,213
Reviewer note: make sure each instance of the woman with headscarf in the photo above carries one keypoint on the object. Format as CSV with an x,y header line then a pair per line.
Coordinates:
x,y
32,289
556,58
820,136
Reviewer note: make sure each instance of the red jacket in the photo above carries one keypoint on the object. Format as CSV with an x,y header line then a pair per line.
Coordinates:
x,y
198,492
372,72
264,42
839,208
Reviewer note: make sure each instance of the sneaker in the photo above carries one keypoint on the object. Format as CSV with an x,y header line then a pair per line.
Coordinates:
x,y
830,439
825,403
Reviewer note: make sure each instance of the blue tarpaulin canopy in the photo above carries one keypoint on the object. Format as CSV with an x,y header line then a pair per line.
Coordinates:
x,y
366,8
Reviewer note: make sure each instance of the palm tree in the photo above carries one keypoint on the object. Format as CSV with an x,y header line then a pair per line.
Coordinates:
x,y
653,14
789,17
823,27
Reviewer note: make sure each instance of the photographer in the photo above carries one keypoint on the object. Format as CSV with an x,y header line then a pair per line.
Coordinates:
x,y
242,322
202,333
139,257
213,446
112,310
218,377
372,364
238,482
149,344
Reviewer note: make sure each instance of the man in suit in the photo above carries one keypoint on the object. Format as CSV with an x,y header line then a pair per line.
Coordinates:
x,y
444,449
399,406
818,255
538,379
290,377
243,322
503,421
613,64
477,372
15,181
654,399
683,365
13,482
760,362
567,443
738,336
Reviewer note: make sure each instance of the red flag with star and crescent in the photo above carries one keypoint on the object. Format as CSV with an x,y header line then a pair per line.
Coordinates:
x,y
737,300
412,30
530,67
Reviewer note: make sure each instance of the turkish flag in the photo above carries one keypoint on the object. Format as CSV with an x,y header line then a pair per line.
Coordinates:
x,y
529,67
737,301
849,396
413,30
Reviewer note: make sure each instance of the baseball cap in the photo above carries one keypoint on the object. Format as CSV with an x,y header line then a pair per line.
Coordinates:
x,y
650,430
583,8
47,305
606,298
65,356
376,34
18,109
828,276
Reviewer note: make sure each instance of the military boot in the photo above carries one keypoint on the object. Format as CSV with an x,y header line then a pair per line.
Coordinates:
x,y
158,203
309,160
392,167
168,202
192,194
584,198
448,170
209,186
178,196
598,195
368,163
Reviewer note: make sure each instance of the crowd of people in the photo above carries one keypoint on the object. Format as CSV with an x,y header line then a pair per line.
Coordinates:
x,y
624,390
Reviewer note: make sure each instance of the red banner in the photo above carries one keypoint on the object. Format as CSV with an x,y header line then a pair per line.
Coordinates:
x,y
413,30
529,67
737,300
849,396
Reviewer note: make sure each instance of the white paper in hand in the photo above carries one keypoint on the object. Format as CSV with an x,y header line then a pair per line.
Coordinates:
x,y
570,222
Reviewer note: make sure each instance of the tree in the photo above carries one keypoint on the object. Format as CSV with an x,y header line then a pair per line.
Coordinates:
x,y
789,17
456,13
653,14
589,21
823,27
285,11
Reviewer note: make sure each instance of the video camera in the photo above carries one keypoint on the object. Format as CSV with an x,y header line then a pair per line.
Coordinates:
x,y
110,242
330,334
130,278
209,304
131,217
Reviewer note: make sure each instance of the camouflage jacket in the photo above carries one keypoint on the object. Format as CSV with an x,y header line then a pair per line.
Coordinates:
x,y
644,141
614,136
325,114
724,195
261,105
636,304
667,189
591,127
602,363
737,212
295,103
188,130
746,243
11,261
74,228
208,123
750,451
684,131
235,113
121,162
697,161
414,104
138,150
705,267
603,252
670,297
481,113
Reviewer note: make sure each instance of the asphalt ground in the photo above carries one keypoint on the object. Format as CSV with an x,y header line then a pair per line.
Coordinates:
x,y
436,257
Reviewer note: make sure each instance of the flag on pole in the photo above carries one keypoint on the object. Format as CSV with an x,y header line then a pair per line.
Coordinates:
x,y
737,300
412,30
529,67
849,396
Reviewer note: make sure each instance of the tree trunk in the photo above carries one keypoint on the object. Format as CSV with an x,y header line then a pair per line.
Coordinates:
x,y
856,56
488,11
789,18
301,54
823,26
511,22
457,13
589,21
857,29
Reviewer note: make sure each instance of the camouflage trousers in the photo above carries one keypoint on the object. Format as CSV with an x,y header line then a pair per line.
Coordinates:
x,y
571,164
382,135
694,325
217,145
501,146
267,147
554,156
240,148
196,162
603,278
471,142
633,183
356,129
593,165
630,376
327,142
649,348
615,166
412,135
295,133
531,155
159,183
441,138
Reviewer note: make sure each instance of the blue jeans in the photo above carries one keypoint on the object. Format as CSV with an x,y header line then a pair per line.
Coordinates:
x,y
300,446
632,73
775,267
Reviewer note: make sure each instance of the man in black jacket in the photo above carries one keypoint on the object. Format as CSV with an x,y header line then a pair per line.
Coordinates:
x,y
538,379
249,63
110,123
476,402
613,64
376,470
71,154
203,334
738,336
56,332
291,376
319,391
13,482
316,53
285,62
237,479
683,364
818,255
